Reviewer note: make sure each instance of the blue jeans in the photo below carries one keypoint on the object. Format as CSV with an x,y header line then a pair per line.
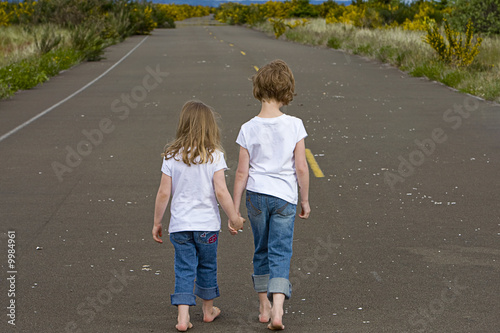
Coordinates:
x,y
272,221
195,258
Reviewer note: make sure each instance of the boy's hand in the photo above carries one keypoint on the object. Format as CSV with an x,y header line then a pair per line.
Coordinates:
x,y
306,210
157,233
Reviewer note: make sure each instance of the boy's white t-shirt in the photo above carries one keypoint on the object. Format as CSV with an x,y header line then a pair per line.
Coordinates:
x,y
194,204
271,143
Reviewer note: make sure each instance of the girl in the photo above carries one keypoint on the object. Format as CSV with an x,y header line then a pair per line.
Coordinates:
x,y
193,172
272,163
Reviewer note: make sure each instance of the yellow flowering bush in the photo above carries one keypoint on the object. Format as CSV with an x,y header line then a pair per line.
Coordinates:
x,y
457,50
24,11
5,16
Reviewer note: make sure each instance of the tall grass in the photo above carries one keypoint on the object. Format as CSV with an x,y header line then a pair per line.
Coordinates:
x,y
406,50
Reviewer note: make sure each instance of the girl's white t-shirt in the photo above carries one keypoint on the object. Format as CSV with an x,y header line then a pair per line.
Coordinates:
x,y
271,143
194,204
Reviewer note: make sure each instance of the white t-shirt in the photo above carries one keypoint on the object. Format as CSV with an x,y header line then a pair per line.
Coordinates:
x,y
270,143
194,205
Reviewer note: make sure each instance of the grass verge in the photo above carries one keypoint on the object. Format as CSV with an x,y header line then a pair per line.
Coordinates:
x,y
405,50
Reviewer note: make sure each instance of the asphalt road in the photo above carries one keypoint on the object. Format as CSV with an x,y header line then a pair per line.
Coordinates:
x,y
404,234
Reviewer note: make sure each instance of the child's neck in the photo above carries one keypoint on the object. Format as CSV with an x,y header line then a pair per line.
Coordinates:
x,y
270,109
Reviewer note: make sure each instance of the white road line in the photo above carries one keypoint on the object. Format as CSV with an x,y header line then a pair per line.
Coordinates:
x,y
5,136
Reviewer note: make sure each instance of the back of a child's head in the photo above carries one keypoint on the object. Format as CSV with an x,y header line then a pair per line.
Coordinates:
x,y
274,81
198,134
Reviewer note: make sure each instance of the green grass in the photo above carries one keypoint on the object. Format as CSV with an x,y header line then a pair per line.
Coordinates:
x,y
405,50
33,70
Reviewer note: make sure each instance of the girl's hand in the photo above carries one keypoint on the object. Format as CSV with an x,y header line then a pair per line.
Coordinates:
x,y
157,233
231,230
236,225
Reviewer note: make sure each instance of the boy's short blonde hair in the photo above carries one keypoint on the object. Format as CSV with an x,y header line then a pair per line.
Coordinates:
x,y
274,81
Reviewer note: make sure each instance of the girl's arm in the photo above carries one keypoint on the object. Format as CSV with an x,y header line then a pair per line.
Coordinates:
x,y
224,198
241,178
302,177
162,198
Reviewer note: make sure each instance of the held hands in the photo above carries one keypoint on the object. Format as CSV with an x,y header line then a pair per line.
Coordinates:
x,y
235,225
157,232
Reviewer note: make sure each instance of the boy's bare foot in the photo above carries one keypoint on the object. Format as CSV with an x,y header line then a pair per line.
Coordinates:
x,y
264,308
183,327
210,316
274,327
276,323
265,312
264,318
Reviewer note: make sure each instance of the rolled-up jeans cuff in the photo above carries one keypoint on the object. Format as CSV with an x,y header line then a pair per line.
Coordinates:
x,y
206,293
260,282
183,299
279,285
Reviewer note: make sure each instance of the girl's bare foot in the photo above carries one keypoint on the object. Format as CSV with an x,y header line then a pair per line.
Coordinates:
x,y
183,323
183,327
209,316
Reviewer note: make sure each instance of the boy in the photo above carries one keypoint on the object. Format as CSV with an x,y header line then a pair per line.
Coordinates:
x,y
271,163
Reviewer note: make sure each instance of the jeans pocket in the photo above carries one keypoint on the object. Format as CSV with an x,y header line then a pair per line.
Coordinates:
x,y
181,237
284,208
208,237
253,204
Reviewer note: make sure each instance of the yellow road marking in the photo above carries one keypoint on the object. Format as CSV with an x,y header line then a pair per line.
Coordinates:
x,y
256,68
243,53
231,44
313,164
221,41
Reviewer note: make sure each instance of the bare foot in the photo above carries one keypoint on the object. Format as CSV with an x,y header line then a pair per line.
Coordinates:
x,y
209,317
276,327
276,323
183,327
265,312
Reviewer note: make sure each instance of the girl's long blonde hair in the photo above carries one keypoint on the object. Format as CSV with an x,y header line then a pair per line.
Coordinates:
x,y
198,135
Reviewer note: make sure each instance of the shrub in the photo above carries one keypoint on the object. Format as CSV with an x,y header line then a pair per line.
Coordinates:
x,y
141,17
86,39
5,15
484,14
302,8
279,27
334,43
456,51
47,40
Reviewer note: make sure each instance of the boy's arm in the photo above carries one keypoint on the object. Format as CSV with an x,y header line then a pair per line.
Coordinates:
x,y
303,178
224,198
162,198
241,178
